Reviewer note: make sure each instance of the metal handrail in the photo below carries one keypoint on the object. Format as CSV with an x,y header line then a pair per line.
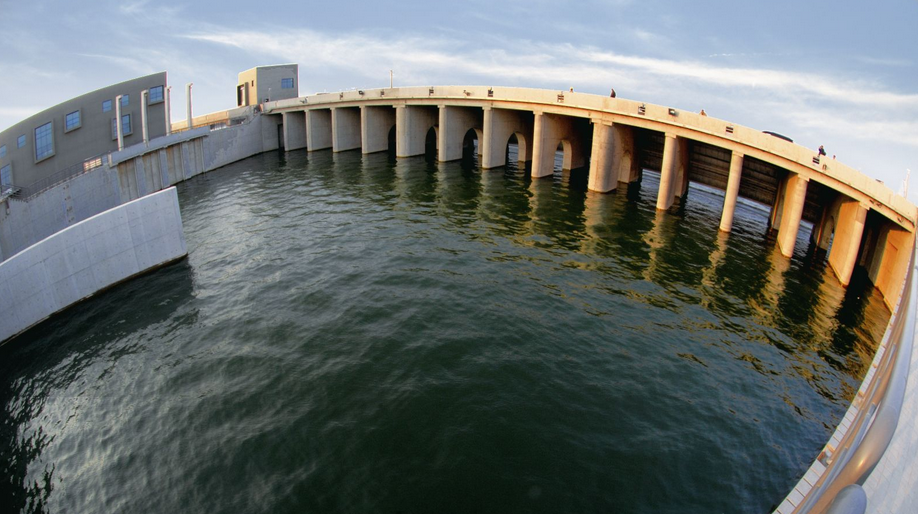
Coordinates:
x,y
869,436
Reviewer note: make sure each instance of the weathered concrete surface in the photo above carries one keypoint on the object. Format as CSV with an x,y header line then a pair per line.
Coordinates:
x,y
23,224
455,122
345,129
294,131
85,258
549,131
238,142
375,124
673,173
612,157
732,192
498,126
790,211
318,129
411,127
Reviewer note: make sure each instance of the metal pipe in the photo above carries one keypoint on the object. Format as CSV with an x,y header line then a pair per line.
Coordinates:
x,y
850,500
869,437
118,128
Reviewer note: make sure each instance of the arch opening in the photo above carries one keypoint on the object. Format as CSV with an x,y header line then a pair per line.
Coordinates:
x,y
471,145
391,140
430,144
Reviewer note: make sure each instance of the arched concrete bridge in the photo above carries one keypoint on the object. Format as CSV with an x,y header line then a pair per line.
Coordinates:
x,y
857,219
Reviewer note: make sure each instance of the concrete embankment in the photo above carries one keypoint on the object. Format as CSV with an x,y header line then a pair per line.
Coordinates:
x,y
87,257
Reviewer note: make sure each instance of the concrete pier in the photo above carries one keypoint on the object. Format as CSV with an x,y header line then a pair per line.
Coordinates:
x,y
673,174
294,130
346,129
848,231
375,124
318,129
411,127
550,131
793,196
732,192
498,126
454,123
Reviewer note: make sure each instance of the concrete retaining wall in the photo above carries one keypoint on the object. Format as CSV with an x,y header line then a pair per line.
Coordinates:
x,y
87,257
231,144
23,224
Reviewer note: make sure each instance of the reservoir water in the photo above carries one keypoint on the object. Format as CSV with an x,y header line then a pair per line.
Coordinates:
x,y
354,334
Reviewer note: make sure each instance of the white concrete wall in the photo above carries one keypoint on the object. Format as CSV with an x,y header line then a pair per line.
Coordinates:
x,y
454,123
375,124
238,142
294,130
318,129
346,129
411,127
90,256
23,224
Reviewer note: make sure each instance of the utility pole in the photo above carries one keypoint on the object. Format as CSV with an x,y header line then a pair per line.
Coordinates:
x,y
390,79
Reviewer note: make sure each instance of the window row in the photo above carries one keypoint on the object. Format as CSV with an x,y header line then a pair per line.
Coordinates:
x,y
44,135
155,95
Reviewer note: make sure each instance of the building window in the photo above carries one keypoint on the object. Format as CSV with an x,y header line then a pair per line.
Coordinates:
x,y
106,106
6,175
72,121
125,126
3,151
20,141
125,100
44,142
286,83
156,94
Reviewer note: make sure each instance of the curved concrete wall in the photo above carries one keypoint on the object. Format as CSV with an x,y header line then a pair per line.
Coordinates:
x,y
88,257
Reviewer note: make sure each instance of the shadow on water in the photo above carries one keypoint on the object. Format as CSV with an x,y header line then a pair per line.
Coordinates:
x,y
99,332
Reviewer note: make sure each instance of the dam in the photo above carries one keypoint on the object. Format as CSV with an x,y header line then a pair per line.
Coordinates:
x,y
628,208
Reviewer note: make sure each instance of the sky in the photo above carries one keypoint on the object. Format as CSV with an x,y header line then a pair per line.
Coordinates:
x,y
836,73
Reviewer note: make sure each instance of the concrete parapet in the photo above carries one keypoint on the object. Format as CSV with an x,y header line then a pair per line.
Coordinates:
x,y
88,257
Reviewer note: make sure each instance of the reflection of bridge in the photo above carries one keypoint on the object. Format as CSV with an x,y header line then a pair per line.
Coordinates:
x,y
856,219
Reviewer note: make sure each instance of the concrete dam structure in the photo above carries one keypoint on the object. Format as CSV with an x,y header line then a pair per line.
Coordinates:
x,y
856,220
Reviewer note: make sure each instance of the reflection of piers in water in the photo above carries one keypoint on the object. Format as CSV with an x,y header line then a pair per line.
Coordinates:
x,y
434,323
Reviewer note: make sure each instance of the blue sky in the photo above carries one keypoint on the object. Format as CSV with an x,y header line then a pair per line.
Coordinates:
x,y
839,73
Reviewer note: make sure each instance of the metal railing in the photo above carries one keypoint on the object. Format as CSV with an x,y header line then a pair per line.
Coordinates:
x,y
869,435
28,192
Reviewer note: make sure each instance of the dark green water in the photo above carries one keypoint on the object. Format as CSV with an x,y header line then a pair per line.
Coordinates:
x,y
352,334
